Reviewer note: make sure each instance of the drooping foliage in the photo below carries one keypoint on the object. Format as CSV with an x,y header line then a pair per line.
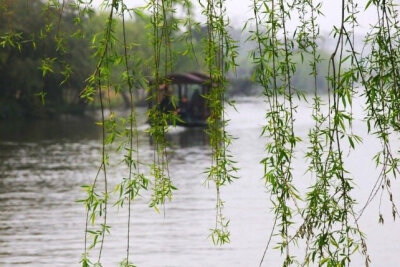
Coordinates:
x,y
324,217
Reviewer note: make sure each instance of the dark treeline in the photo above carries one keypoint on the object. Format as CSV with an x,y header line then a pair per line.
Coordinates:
x,y
47,53
44,57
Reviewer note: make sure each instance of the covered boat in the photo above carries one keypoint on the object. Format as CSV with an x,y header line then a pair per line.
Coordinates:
x,y
183,94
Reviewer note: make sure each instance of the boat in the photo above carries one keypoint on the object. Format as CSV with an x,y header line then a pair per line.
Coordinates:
x,y
183,94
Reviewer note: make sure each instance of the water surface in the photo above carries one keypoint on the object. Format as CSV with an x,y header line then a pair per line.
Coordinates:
x,y
43,165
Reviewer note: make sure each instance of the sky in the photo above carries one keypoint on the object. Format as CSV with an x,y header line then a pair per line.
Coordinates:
x,y
239,11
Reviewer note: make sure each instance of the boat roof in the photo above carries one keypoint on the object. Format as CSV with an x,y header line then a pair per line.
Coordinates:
x,y
188,78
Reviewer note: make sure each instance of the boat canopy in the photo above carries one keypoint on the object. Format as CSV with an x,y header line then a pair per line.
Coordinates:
x,y
183,94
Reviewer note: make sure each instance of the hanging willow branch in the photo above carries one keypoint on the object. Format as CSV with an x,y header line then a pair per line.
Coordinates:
x,y
329,214
220,58
380,77
130,187
308,31
96,202
163,25
273,59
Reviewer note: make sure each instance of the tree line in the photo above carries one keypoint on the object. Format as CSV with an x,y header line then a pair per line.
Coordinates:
x,y
47,52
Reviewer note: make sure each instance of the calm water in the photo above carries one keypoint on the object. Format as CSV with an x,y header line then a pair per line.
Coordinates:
x,y
43,164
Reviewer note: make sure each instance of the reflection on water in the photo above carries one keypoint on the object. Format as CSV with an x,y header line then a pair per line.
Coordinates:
x,y
77,129
187,137
43,164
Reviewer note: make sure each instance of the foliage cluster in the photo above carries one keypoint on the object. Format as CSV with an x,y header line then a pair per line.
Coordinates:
x,y
37,62
47,54
327,210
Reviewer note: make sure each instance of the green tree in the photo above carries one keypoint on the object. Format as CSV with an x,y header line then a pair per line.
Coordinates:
x,y
42,54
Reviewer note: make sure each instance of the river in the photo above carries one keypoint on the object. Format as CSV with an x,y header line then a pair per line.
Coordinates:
x,y
44,163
